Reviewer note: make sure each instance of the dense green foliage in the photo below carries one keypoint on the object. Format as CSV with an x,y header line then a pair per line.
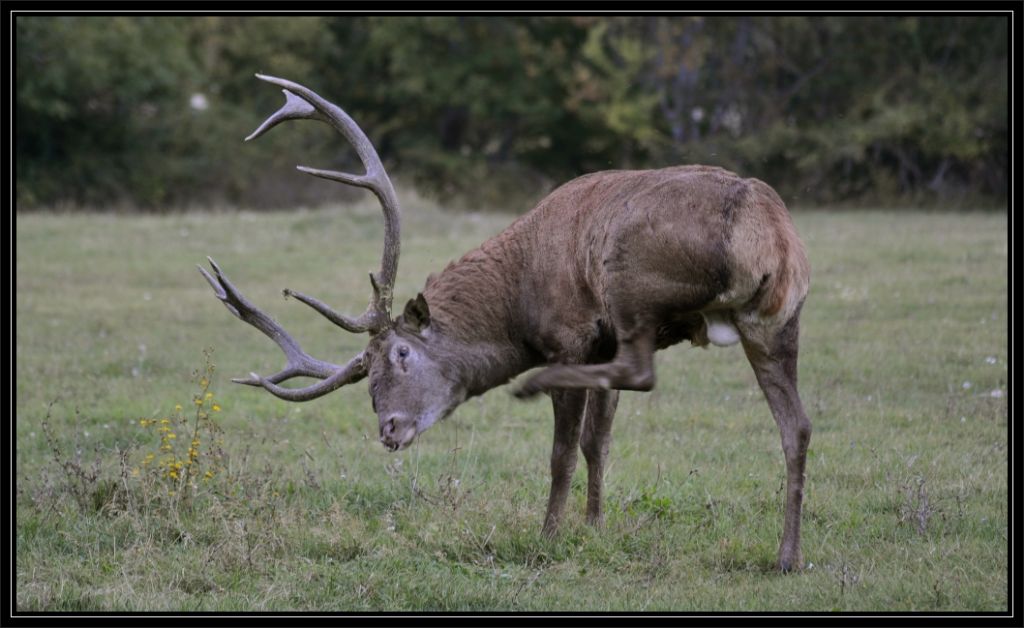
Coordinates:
x,y
150,110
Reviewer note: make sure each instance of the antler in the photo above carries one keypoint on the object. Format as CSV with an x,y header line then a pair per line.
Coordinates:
x,y
300,364
303,103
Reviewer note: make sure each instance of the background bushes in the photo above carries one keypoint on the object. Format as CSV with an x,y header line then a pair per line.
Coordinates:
x,y
148,112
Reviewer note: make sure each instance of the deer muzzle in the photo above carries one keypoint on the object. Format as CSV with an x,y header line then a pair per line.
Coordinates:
x,y
397,431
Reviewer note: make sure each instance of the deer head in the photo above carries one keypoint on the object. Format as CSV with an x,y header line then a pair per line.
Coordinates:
x,y
410,386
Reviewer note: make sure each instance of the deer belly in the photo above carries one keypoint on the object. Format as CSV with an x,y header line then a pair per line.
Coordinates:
x,y
721,330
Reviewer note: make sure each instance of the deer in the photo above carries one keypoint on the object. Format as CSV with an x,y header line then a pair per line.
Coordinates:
x,y
606,270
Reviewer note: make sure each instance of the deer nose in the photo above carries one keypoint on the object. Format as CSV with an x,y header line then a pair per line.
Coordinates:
x,y
387,429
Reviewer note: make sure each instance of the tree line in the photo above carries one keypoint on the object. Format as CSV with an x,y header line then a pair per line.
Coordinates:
x,y
148,111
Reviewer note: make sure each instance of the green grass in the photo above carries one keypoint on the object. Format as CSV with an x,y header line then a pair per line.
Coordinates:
x,y
904,338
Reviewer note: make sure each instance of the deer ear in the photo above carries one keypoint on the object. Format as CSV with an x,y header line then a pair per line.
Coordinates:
x,y
417,314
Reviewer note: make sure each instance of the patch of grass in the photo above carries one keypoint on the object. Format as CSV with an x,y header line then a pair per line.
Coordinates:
x,y
903,370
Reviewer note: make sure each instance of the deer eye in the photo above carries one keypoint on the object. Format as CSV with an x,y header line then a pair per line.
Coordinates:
x,y
403,352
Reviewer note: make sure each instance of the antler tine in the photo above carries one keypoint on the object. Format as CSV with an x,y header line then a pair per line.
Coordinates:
x,y
303,103
300,364
294,108
354,371
355,325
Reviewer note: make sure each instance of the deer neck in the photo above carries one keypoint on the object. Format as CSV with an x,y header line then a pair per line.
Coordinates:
x,y
474,305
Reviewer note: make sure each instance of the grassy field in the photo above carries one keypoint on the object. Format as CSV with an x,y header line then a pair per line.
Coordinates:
x,y
903,372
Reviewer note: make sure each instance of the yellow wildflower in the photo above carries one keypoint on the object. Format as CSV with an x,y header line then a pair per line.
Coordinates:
x,y
177,407
216,408
209,395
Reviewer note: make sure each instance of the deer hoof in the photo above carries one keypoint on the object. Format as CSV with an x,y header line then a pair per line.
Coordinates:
x,y
789,564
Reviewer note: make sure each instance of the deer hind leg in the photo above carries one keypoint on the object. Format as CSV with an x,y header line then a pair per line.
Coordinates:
x,y
569,406
631,369
597,432
774,360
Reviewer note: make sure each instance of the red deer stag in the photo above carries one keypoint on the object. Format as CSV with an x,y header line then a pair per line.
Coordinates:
x,y
606,270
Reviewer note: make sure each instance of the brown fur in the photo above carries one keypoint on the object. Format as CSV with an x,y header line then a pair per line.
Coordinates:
x,y
671,241
611,267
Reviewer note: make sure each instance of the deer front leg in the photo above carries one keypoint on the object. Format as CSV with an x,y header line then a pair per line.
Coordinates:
x,y
632,369
569,406
597,436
